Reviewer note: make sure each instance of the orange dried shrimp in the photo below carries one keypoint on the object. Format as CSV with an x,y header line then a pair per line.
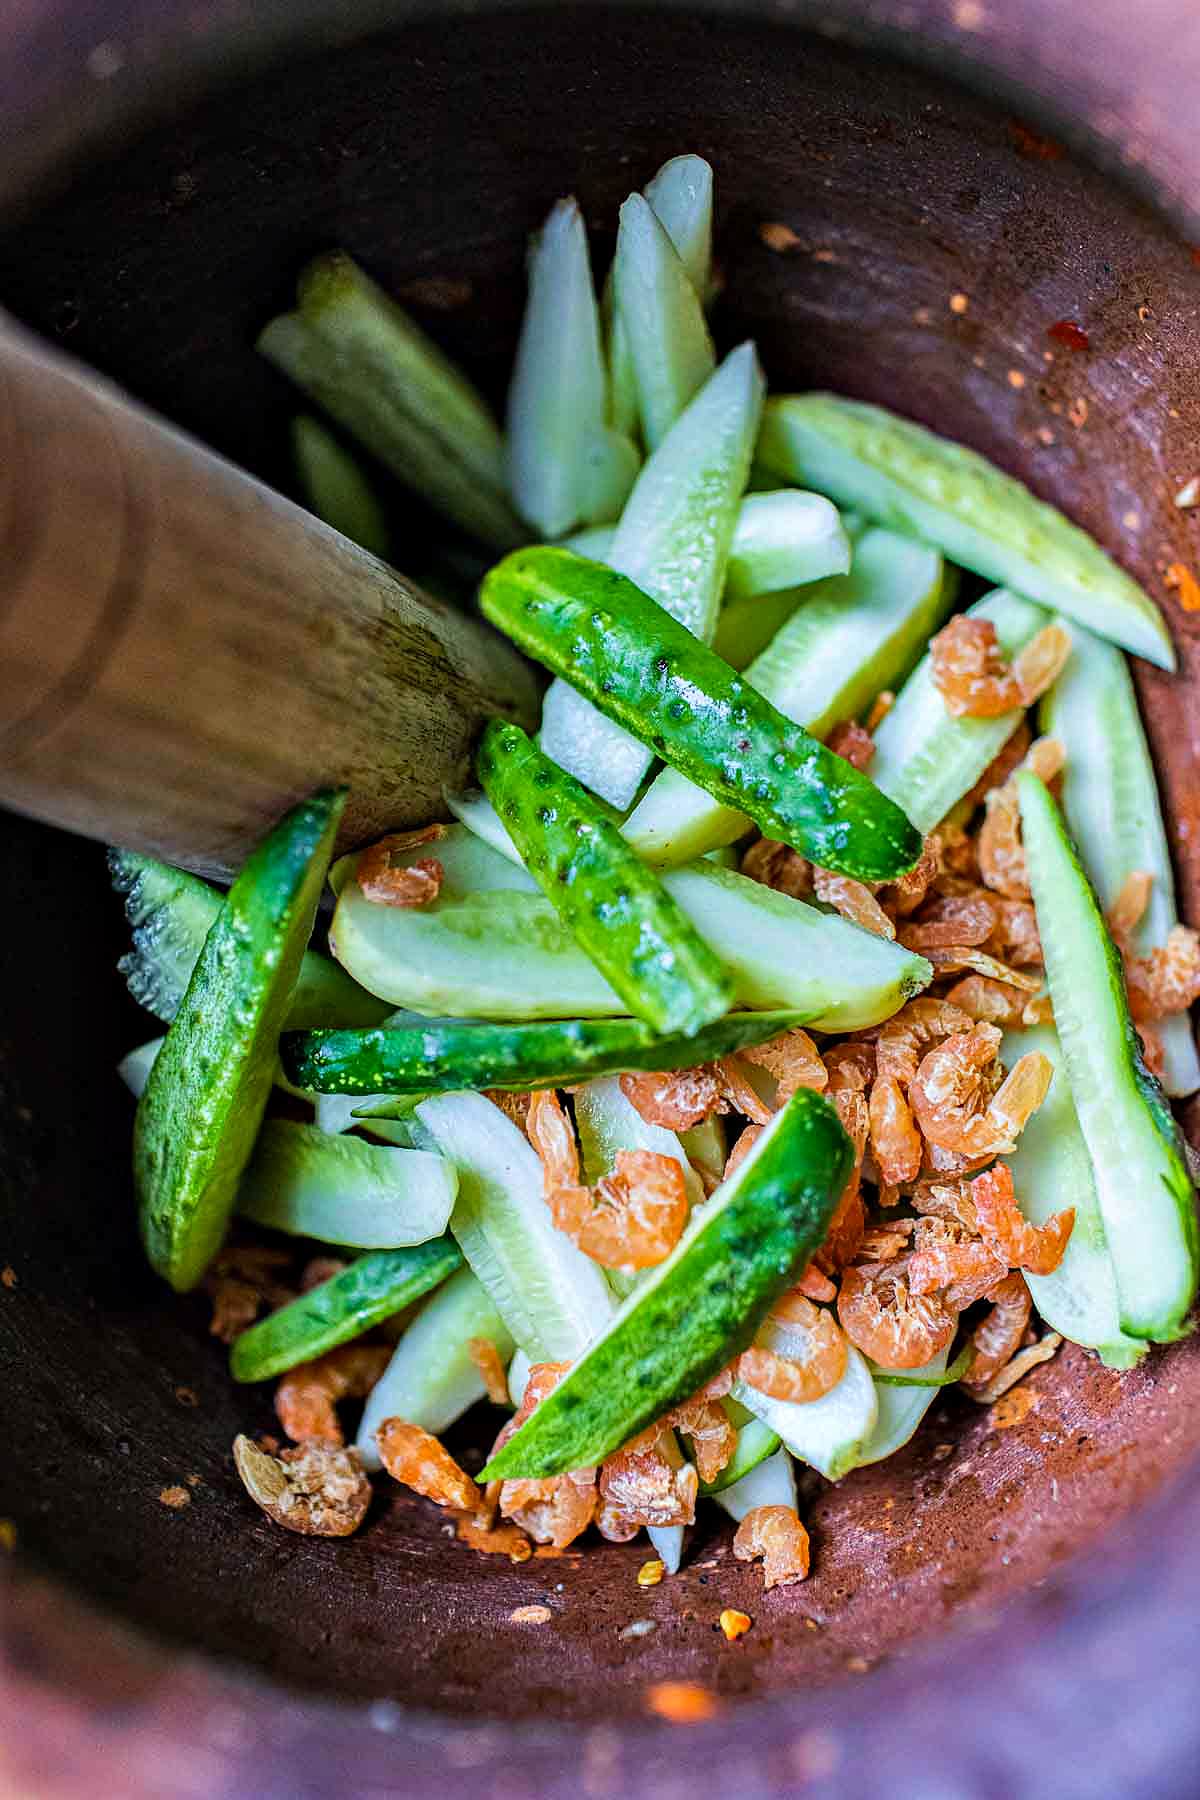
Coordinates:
x,y
794,1061
1129,907
241,1279
991,1002
514,1106
711,1431
850,1066
945,1258
315,1489
895,1140
1036,1248
902,1039
484,1354
888,1322
632,1218
307,1395
955,1103
741,1150
852,741
1168,979
1001,851
557,1509
854,901
418,1461
955,959
799,1353
998,1338
780,867
775,1534
964,919
900,898
411,884
975,680
648,1482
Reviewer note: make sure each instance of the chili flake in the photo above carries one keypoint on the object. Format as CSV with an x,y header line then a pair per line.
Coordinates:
x,y
8,1276
734,1623
959,303
530,1615
1180,577
174,1497
682,1702
651,1572
1066,331
777,236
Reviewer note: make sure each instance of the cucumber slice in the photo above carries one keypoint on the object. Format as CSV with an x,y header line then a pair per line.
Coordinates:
x,y
1142,1183
830,1433
668,1545
204,1100
673,540
784,539
372,1289
171,913
699,1307
491,946
359,356
771,1482
336,1113
1110,800
925,759
446,1056
901,1410
756,1444
854,635
607,1123
645,670
926,486
670,350
615,908
553,1299
135,1068
431,1380
558,394
335,488
1051,1169
746,627
342,1190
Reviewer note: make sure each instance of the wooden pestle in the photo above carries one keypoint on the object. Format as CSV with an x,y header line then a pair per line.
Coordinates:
x,y
184,653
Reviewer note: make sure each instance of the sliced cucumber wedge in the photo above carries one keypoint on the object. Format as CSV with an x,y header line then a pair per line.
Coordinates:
x,y
925,759
373,1288
669,345
1051,1169
1110,799
784,539
901,1409
553,1299
443,1057
608,1123
854,635
673,541
342,1190
930,488
492,947
771,1482
203,1102
432,1380
171,913
830,1433
335,488
699,1307
1146,1197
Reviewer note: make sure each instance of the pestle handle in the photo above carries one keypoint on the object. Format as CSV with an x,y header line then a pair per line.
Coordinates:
x,y
184,653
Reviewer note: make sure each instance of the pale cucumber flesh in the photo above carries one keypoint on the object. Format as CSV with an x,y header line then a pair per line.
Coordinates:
x,y
852,636
431,1380
771,1482
1145,1195
782,540
1111,803
829,1434
925,759
342,1190
1051,1169
901,1410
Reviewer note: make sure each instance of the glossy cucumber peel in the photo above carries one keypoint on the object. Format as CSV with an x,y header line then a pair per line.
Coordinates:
x,y
929,488
553,1299
335,488
853,636
372,1289
1146,1197
203,1102
699,1307
432,1378
171,913
924,757
615,908
648,672
342,1190
360,357
444,1056
1051,1169
673,540
492,947
1111,804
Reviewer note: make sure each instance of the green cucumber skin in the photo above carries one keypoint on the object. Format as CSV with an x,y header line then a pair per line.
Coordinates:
x,y
616,908
927,487
854,635
373,1288
648,672
200,1112
1111,803
1125,1117
699,1308
555,1053
756,1442
171,913
926,759
335,488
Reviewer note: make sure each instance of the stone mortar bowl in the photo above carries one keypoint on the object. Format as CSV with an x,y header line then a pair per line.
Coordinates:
x,y
994,1612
